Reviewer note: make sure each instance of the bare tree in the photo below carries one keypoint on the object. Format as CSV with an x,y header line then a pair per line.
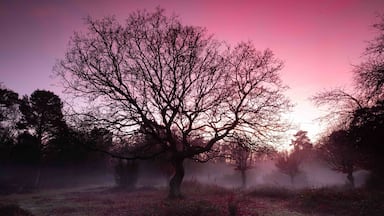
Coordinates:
x,y
341,106
173,83
358,111
289,164
243,153
368,80
369,75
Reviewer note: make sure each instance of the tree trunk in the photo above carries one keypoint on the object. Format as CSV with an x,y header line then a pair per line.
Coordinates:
x,y
177,178
243,179
351,179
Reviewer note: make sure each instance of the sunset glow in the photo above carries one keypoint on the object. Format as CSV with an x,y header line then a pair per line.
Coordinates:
x,y
318,41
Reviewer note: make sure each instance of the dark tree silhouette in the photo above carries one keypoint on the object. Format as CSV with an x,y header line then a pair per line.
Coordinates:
x,y
9,101
367,130
8,104
341,104
42,116
42,113
67,148
369,75
340,152
26,155
174,83
243,153
289,162
301,141
27,150
359,112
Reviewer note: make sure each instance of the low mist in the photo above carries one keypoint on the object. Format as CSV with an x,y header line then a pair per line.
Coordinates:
x,y
151,174
264,173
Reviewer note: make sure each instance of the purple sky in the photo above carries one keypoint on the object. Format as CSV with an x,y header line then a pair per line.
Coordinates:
x,y
319,40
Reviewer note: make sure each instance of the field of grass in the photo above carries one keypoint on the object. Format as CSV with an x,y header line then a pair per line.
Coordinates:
x,y
199,200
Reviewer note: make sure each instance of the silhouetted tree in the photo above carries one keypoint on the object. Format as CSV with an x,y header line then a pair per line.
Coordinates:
x,y
8,104
367,130
301,141
42,116
362,109
289,164
67,148
42,113
173,82
26,155
27,150
9,101
341,104
340,152
243,153
6,144
369,75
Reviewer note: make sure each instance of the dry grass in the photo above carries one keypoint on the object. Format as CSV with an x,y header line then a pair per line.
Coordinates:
x,y
199,200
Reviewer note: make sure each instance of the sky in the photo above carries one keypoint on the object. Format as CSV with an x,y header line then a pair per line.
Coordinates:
x,y
319,41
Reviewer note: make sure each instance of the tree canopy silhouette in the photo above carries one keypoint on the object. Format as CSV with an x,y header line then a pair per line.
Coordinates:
x,y
289,162
9,101
360,113
174,83
42,112
340,151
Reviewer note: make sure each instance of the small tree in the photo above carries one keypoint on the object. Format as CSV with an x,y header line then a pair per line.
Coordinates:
x,y
289,164
243,153
301,142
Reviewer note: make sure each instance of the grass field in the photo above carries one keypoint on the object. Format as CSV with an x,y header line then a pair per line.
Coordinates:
x,y
199,200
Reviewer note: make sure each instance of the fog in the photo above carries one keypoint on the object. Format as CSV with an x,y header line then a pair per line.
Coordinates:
x,y
155,175
264,173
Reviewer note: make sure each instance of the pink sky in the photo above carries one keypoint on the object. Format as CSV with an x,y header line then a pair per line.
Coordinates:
x,y
319,40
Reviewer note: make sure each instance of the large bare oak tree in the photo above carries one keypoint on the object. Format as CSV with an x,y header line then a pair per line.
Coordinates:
x,y
173,83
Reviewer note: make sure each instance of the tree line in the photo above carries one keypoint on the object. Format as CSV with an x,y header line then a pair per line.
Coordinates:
x,y
34,135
